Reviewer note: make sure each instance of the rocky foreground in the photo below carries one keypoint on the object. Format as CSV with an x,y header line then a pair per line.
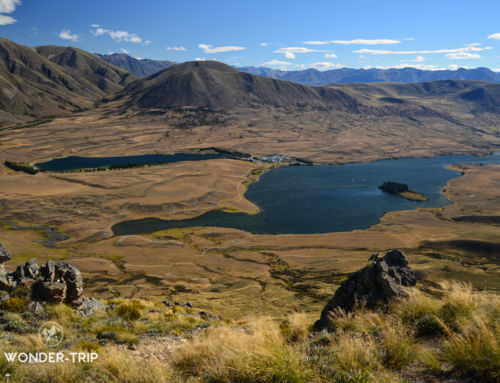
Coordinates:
x,y
384,279
378,327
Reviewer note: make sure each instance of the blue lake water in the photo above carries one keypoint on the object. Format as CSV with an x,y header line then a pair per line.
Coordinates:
x,y
330,198
76,163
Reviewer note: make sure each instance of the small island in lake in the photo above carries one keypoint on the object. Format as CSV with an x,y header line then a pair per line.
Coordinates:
x,y
402,190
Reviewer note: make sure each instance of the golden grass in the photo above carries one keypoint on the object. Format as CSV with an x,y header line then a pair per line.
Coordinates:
x,y
365,346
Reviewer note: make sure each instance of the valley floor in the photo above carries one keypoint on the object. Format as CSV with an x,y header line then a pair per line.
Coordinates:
x,y
226,271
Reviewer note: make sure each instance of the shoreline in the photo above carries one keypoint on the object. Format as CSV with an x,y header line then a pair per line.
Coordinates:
x,y
451,167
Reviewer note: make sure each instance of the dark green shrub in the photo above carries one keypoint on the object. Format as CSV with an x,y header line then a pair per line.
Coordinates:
x,y
14,305
429,325
18,325
108,335
21,167
354,376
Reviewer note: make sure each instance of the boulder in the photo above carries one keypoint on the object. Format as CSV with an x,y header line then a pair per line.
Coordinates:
x,y
52,282
5,282
73,280
382,280
52,292
4,278
91,305
30,269
35,307
48,271
4,254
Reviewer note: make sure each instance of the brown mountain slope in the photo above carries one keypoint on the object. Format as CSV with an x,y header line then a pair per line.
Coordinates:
x,y
219,86
80,64
71,80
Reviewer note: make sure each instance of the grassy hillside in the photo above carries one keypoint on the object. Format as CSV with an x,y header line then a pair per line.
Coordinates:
x,y
80,64
452,335
218,86
48,81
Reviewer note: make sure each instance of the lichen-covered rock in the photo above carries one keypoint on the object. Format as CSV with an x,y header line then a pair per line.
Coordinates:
x,y
4,278
74,282
30,269
52,282
48,271
383,279
91,305
4,254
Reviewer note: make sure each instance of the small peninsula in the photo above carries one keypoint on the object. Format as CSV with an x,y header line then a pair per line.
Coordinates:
x,y
402,190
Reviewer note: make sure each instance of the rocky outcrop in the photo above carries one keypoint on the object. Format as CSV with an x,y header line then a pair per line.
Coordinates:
x,y
4,254
91,305
54,282
382,280
4,257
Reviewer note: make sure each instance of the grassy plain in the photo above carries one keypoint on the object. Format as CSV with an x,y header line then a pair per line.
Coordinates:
x,y
227,271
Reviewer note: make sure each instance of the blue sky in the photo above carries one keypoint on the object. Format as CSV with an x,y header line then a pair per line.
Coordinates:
x,y
274,33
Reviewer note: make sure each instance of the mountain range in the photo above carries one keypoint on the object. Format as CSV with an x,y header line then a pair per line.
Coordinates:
x,y
350,75
146,67
204,104
138,67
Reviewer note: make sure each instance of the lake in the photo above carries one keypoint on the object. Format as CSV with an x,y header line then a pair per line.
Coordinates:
x,y
77,163
329,198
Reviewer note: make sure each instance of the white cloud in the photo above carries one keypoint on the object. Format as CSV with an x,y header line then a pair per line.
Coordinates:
x,y
410,39
463,56
8,6
354,42
200,59
264,44
95,25
473,45
176,49
417,59
495,36
495,69
66,34
316,42
366,42
6,20
291,51
209,49
326,65
387,52
120,36
453,66
330,56
124,51
276,63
